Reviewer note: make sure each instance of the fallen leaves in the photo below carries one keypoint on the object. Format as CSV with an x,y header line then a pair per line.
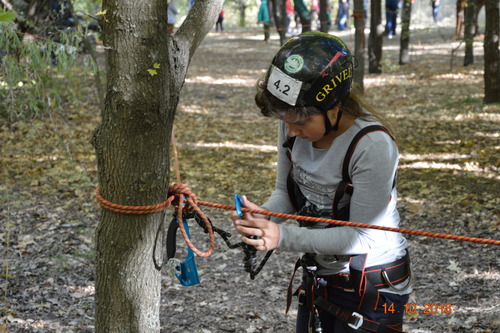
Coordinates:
x,y
448,182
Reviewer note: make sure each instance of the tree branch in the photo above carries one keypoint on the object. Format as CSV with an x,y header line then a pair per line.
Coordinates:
x,y
199,21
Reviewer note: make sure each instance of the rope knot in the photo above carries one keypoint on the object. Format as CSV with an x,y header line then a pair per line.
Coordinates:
x,y
182,196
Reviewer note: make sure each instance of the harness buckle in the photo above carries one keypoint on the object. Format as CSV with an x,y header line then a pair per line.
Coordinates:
x,y
392,286
358,323
301,297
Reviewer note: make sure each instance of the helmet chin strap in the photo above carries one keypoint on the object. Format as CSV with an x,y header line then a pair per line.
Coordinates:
x,y
328,124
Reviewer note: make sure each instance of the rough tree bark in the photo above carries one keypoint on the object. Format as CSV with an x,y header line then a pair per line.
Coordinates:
x,y
242,9
404,52
359,43
376,38
132,152
469,32
491,53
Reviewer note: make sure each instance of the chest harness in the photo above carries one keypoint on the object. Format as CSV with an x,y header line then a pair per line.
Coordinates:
x,y
365,281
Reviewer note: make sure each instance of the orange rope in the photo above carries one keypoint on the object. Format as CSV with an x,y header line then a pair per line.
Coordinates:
x,y
182,197
357,225
176,158
123,209
185,199
191,200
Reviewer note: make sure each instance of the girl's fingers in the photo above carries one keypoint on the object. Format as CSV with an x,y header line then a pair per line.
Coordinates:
x,y
248,231
259,244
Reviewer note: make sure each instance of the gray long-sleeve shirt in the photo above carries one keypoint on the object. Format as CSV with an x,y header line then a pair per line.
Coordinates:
x,y
317,173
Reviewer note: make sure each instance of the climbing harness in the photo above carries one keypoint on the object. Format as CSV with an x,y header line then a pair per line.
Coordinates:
x,y
365,285
364,281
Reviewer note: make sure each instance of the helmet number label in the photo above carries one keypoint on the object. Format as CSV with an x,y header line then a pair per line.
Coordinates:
x,y
283,86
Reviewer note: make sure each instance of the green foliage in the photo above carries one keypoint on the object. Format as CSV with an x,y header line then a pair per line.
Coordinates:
x,y
88,6
34,70
6,16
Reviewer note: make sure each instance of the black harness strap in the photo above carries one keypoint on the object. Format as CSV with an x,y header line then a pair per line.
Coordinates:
x,y
298,199
383,276
355,320
171,238
345,186
365,289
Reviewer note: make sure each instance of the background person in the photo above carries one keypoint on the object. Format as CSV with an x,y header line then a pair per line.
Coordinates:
x,y
391,16
220,19
342,14
435,4
172,12
263,16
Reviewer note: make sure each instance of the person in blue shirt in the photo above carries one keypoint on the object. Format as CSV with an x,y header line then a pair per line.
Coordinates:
x,y
391,16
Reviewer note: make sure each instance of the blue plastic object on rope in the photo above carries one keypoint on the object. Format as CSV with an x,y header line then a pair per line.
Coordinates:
x,y
186,272
238,202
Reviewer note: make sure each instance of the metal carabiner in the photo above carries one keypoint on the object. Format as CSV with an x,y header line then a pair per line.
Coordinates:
x,y
174,267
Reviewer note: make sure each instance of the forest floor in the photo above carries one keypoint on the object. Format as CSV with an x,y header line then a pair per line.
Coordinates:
x,y
448,182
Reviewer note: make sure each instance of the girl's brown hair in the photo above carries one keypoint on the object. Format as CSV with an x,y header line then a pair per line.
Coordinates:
x,y
355,104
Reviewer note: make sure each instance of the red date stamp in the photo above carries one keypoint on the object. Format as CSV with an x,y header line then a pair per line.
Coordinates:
x,y
428,308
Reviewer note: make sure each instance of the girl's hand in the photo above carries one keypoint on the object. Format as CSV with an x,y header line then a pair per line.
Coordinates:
x,y
267,232
250,205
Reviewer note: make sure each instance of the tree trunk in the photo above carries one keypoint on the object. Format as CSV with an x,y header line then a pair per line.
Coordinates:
x,y
491,53
376,38
469,32
243,7
267,25
359,43
404,53
324,15
267,31
146,68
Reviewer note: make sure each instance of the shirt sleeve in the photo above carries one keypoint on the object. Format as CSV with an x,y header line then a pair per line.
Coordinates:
x,y
279,201
372,170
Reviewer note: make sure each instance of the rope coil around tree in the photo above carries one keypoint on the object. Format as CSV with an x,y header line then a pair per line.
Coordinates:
x,y
182,197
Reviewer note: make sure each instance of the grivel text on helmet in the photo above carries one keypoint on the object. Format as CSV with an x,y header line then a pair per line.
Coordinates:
x,y
332,84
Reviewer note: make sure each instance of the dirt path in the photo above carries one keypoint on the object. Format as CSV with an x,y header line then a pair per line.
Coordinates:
x,y
448,183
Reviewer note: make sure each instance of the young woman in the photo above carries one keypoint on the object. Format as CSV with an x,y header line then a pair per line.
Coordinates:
x,y
354,279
